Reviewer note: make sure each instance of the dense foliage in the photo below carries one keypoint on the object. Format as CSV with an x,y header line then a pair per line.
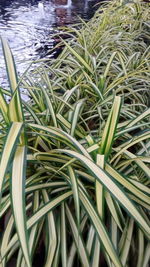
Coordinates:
x,y
74,170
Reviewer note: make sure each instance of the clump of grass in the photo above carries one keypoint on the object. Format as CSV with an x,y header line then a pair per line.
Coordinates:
x,y
74,170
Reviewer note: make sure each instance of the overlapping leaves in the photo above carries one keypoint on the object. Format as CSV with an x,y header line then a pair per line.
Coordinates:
x,y
74,171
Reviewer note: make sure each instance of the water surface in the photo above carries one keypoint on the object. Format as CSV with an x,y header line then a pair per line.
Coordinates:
x,y
28,26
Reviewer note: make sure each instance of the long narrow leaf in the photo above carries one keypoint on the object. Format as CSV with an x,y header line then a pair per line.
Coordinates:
x,y
52,237
81,249
110,127
63,237
75,190
3,107
10,65
18,200
10,146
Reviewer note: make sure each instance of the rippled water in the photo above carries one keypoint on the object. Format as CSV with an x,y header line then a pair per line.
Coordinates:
x,y
28,26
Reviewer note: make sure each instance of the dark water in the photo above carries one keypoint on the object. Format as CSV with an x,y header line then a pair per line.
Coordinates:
x,y
28,26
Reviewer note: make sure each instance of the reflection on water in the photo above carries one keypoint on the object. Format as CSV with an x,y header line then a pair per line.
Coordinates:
x,y
29,24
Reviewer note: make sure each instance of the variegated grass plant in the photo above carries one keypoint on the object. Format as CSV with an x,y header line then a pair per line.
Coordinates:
x,y
74,170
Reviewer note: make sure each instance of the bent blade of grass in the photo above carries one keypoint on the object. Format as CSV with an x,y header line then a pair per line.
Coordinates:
x,y
34,229
110,128
79,58
112,209
140,185
140,248
100,228
9,147
4,107
8,233
73,248
68,94
100,207
127,244
131,143
15,112
114,232
57,253
146,256
67,124
61,135
90,239
99,188
52,237
41,186
6,237
120,56
18,200
139,118
63,238
81,248
5,91
48,83
130,129
75,116
114,238
75,190
96,90
109,64
49,105
38,215
33,234
14,108
10,65
139,162
138,201
4,206
31,111
20,260
111,186
127,184
96,254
